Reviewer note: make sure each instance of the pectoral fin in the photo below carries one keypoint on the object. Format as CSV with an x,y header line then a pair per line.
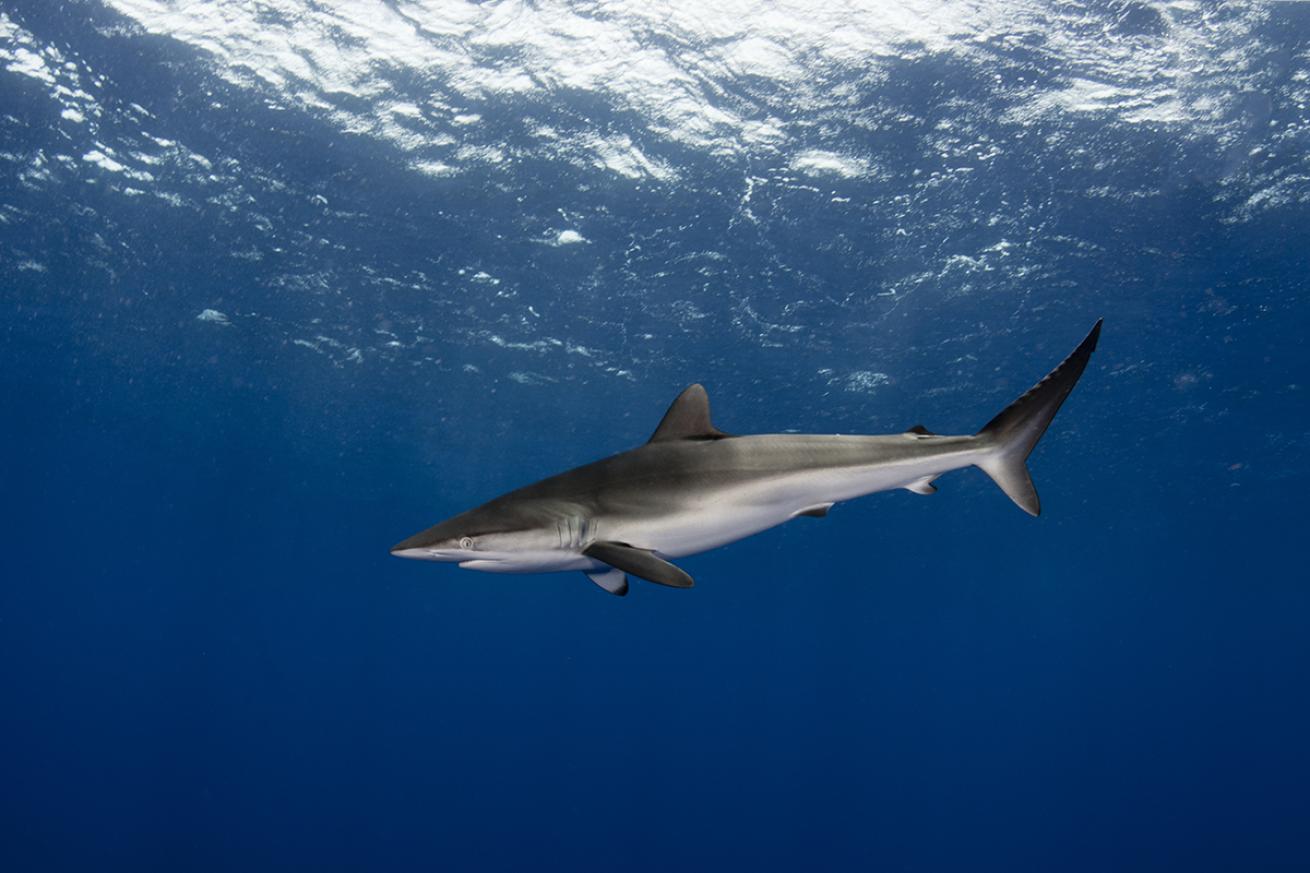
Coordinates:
x,y
639,562
614,581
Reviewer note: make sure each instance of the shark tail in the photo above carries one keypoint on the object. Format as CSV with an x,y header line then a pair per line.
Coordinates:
x,y
1013,433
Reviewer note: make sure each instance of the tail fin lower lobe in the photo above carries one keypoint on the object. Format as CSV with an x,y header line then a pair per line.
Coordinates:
x,y
1012,434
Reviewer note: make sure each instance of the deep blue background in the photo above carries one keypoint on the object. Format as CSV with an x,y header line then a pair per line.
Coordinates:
x,y
209,661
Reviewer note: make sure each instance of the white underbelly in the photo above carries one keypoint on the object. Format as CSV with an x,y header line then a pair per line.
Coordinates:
x,y
727,515
690,533
545,561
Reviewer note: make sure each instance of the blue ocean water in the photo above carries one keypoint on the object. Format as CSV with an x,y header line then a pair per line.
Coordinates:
x,y
286,281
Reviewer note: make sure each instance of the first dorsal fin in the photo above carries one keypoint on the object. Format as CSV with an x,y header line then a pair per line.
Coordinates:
x,y
920,430
688,418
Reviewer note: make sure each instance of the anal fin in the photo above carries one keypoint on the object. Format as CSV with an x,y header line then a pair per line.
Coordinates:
x,y
922,486
817,511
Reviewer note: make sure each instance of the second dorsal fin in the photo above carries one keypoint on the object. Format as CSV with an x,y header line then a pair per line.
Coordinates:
x,y
920,430
688,418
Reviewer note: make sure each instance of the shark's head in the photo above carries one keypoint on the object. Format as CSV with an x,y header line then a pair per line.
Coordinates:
x,y
495,538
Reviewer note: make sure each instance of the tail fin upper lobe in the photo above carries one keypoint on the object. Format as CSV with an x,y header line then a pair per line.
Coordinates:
x,y
1014,432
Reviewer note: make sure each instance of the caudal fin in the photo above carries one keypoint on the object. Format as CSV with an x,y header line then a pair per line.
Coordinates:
x,y
1014,432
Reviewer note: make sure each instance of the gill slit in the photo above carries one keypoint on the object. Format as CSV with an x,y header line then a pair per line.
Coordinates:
x,y
575,533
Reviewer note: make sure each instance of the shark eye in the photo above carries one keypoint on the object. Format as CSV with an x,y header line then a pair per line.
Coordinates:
x,y
466,543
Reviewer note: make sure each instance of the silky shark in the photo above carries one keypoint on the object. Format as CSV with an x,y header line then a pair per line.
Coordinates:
x,y
692,488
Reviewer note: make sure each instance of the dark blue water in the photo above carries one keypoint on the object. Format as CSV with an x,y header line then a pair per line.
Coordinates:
x,y
252,336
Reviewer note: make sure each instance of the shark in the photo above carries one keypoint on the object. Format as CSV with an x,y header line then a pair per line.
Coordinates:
x,y
692,487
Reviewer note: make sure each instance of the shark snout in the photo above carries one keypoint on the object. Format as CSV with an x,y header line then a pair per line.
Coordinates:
x,y
427,553
424,546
